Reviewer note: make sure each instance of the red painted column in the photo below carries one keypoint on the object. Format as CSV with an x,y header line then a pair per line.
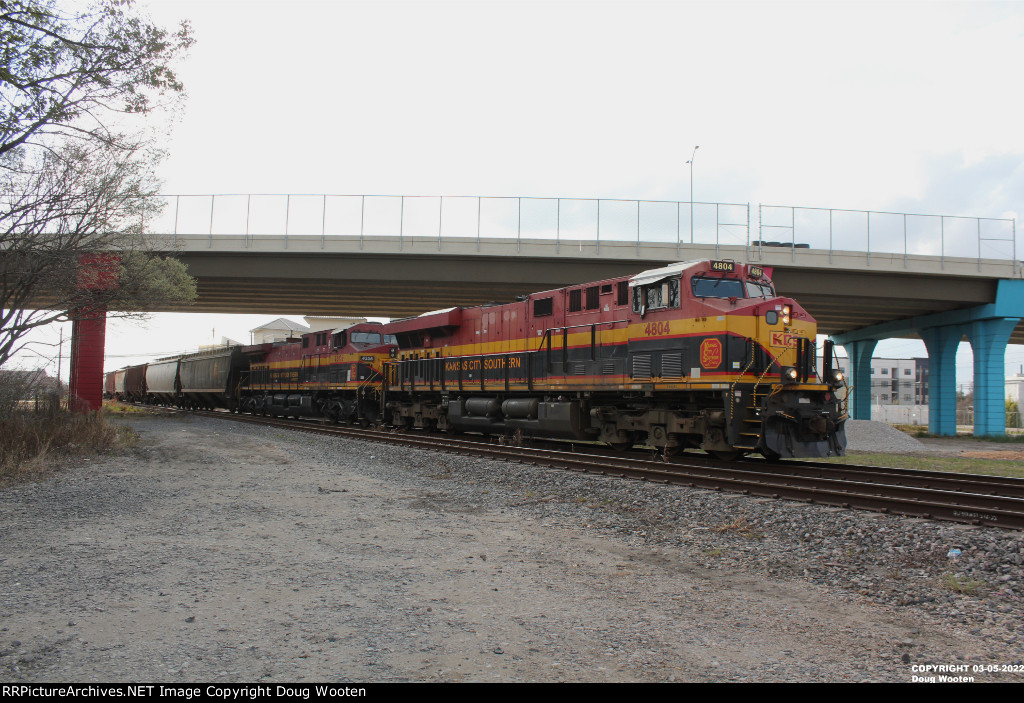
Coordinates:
x,y
97,272
88,334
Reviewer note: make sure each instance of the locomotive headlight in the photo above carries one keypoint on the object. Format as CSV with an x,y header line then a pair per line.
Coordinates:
x,y
837,378
789,374
786,310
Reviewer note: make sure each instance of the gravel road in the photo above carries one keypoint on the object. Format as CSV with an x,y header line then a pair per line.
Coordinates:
x,y
215,551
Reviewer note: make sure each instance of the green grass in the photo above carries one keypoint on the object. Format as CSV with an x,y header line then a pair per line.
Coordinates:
x,y
964,586
114,408
921,431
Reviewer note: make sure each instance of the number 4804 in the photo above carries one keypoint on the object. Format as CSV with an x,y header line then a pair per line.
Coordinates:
x,y
656,328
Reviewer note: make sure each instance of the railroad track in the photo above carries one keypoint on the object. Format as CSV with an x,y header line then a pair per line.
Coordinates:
x,y
991,501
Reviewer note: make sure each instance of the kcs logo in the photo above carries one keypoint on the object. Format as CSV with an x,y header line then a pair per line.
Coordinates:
x,y
784,339
710,353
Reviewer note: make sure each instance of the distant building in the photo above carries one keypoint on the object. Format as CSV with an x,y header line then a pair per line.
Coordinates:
x,y
318,323
899,388
224,342
899,381
281,329
1015,389
277,331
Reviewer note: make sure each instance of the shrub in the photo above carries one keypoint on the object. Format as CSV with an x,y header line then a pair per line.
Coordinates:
x,y
32,442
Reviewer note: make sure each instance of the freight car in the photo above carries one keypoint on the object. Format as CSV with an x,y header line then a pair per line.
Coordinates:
x,y
214,379
109,384
163,384
135,383
699,354
119,390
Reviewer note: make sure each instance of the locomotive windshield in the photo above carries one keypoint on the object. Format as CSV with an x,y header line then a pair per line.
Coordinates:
x,y
706,287
718,288
371,338
759,290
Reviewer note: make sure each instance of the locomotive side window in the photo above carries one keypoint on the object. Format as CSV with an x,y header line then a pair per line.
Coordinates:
x,y
664,294
543,306
576,300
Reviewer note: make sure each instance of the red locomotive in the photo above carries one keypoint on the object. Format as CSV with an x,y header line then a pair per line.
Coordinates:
x,y
696,354
700,354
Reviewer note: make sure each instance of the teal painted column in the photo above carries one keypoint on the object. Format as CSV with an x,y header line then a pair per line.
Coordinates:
x,y
988,341
860,372
942,343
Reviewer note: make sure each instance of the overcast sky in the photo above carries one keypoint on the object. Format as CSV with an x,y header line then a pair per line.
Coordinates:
x,y
910,107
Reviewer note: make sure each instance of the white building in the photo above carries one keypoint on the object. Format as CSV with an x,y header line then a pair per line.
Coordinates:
x,y
277,331
899,381
1015,389
281,329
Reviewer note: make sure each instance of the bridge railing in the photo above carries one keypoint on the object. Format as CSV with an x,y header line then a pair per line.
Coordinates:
x,y
889,234
413,220
583,224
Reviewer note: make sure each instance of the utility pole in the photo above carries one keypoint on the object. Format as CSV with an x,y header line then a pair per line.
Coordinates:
x,y
691,190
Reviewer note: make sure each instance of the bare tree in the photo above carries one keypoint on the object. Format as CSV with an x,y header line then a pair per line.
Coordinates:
x,y
76,164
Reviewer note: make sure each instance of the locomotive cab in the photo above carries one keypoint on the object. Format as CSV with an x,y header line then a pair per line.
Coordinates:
x,y
746,355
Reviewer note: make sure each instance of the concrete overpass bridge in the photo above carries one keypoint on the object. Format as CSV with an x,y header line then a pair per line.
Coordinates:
x,y
863,275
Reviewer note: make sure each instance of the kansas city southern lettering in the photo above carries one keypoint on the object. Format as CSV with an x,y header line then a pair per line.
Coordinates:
x,y
487,364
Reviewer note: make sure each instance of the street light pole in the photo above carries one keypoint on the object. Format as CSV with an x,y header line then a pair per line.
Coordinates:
x,y
691,190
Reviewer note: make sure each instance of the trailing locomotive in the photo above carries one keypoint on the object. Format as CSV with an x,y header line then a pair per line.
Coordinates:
x,y
320,374
699,354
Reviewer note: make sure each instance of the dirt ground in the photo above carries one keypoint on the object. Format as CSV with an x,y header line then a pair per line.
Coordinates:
x,y
213,552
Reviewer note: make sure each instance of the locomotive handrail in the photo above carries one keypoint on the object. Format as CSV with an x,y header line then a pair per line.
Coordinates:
x,y
732,388
548,330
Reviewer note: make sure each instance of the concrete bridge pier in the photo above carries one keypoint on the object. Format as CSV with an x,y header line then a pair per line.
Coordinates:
x,y
988,329
942,343
97,273
860,372
88,335
988,341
